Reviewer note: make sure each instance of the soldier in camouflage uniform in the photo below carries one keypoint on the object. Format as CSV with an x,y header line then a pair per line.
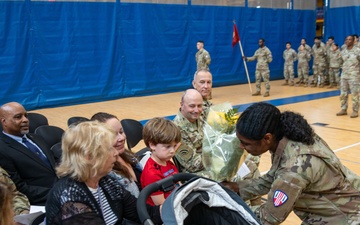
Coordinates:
x,y
304,68
343,46
203,83
191,124
290,57
305,177
319,54
350,77
335,60
306,46
21,204
328,46
304,57
264,57
189,155
202,57
203,60
356,40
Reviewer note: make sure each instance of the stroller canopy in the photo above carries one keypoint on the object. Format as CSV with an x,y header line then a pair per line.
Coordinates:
x,y
202,201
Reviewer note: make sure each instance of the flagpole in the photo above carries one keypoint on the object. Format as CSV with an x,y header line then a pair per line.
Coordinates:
x,y
244,61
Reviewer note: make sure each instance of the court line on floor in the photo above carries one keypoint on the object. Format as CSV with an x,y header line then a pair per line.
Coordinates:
x,y
293,99
346,147
335,128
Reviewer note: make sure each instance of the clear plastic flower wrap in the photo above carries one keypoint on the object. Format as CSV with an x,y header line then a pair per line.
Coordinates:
x,y
221,154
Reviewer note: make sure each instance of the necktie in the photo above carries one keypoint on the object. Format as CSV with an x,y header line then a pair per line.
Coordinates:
x,y
35,150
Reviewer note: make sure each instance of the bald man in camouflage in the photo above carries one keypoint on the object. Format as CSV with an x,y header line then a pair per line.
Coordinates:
x,y
191,123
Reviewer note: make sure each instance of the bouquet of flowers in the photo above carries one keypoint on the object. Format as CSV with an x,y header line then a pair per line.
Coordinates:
x,y
222,155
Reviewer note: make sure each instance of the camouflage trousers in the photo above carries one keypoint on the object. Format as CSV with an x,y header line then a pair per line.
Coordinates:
x,y
265,75
351,84
303,73
334,75
327,72
318,70
289,72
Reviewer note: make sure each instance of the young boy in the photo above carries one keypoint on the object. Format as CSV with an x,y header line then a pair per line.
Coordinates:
x,y
163,137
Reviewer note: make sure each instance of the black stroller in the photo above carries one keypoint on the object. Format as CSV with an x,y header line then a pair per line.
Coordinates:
x,y
199,201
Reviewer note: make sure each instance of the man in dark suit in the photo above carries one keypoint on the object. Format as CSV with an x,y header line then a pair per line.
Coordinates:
x,y
30,167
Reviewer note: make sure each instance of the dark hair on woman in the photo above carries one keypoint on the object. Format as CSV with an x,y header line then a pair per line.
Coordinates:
x,y
261,118
127,156
102,117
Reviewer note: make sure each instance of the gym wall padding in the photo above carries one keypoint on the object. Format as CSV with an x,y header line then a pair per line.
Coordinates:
x,y
63,53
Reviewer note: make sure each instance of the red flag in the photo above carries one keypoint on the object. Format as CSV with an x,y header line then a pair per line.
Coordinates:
x,y
236,37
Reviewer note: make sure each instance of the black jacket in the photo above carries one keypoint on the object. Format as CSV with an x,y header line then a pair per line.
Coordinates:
x,y
29,173
71,202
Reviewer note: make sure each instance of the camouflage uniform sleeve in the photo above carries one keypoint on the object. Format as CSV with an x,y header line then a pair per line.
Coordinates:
x,y
189,158
340,59
269,56
189,154
252,58
207,59
358,54
21,204
252,188
308,56
284,192
294,55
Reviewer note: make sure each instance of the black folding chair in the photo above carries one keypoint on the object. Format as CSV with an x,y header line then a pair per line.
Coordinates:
x,y
133,130
76,120
50,134
57,152
36,120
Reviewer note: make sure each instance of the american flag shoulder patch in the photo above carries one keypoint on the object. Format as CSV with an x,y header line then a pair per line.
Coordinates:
x,y
279,198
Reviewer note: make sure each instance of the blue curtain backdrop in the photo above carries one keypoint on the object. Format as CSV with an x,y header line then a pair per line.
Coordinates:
x,y
62,53
341,22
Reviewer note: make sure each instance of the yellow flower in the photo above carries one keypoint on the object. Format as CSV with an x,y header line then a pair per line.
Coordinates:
x,y
216,119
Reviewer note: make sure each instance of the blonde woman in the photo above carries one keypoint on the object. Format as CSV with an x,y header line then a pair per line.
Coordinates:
x,y
85,193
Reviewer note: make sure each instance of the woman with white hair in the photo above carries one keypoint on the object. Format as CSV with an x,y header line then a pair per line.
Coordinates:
x,y
85,194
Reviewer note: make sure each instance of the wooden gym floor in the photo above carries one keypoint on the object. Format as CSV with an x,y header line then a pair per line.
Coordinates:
x,y
318,105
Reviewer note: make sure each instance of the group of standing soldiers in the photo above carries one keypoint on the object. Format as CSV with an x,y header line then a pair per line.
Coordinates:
x,y
328,60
